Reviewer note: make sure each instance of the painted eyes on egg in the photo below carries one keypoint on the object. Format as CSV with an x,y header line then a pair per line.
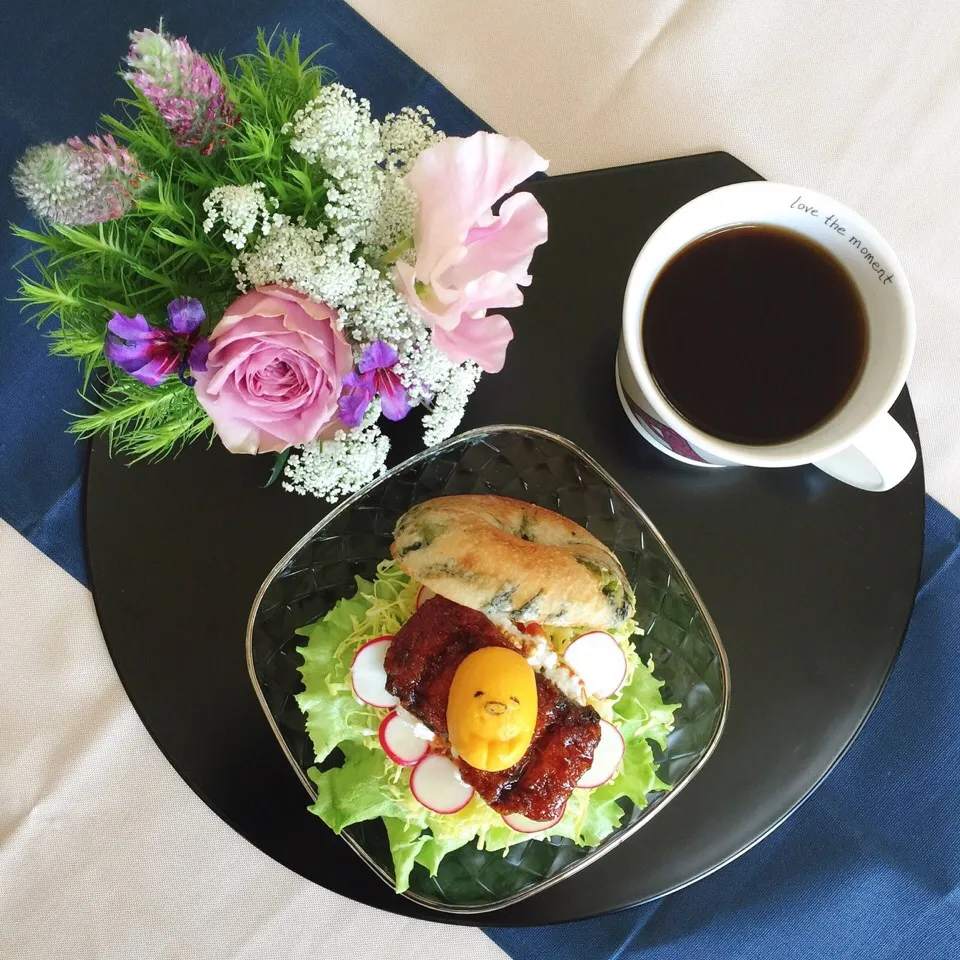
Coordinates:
x,y
479,693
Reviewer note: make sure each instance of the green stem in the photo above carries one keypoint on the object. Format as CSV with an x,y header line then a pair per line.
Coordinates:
x,y
396,251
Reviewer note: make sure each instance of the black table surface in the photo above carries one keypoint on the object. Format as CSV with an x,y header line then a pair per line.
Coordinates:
x,y
810,582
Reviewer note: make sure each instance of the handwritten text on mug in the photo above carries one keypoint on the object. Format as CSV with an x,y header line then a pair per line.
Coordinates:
x,y
832,223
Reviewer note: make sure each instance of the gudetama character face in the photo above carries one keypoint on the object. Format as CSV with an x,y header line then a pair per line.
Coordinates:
x,y
492,708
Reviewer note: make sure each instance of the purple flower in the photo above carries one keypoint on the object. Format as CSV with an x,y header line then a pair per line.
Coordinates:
x,y
374,375
185,89
151,354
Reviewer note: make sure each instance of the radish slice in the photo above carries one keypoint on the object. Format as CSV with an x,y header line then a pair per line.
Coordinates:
x,y
522,824
606,758
423,595
596,658
399,742
368,675
436,783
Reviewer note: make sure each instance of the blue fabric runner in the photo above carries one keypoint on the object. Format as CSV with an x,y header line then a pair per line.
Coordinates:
x,y
868,868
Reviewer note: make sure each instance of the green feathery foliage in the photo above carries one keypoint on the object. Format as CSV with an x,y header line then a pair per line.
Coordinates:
x,y
75,278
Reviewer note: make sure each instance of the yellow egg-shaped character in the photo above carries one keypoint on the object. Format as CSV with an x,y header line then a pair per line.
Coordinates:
x,y
492,709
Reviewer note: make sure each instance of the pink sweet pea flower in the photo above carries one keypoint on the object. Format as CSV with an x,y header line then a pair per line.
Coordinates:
x,y
469,260
274,372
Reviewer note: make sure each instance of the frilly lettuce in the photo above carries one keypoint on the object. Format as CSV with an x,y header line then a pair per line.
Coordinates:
x,y
369,785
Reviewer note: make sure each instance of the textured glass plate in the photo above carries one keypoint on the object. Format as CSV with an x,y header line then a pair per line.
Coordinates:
x,y
529,464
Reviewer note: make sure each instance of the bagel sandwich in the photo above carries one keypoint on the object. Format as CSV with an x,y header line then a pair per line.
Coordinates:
x,y
514,560
505,573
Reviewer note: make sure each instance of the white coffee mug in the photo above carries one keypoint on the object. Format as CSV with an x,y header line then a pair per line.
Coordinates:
x,y
860,443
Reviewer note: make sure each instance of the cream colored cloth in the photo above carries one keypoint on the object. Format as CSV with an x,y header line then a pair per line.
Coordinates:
x,y
859,99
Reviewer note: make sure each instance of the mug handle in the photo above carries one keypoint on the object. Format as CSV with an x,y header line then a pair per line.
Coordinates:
x,y
879,457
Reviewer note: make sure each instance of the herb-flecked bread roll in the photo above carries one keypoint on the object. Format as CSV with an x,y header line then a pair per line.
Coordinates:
x,y
512,559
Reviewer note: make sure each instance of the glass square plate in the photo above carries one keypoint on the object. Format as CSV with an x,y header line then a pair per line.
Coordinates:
x,y
543,468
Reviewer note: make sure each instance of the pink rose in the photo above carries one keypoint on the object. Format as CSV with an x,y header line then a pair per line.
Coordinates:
x,y
467,259
274,371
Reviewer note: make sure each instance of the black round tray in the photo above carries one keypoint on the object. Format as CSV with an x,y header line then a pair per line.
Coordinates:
x,y
810,582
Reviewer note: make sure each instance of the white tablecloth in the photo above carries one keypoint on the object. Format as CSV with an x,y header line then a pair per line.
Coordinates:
x,y
104,851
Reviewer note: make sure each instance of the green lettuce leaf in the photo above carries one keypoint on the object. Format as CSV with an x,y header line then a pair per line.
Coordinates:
x,y
369,785
640,710
407,841
333,715
434,850
604,814
356,791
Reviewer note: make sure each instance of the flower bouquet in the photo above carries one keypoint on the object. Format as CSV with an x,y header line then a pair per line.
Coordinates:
x,y
246,253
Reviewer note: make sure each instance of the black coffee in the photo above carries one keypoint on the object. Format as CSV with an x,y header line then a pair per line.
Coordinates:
x,y
755,334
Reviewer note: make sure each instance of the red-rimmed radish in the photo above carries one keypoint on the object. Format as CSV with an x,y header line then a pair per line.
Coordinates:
x,y
368,675
606,758
596,658
423,595
399,741
522,824
436,783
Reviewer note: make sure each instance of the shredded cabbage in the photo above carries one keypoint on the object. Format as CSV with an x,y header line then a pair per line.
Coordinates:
x,y
369,785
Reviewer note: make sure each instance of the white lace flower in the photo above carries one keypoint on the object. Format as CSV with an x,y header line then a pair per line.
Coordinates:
x,y
353,204
396,214
449,403
374,310
405,135
332,469
241,209
363,161
423,369
303,258
335,130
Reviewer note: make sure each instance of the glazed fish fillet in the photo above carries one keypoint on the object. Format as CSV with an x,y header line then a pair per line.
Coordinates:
x,y
420,665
